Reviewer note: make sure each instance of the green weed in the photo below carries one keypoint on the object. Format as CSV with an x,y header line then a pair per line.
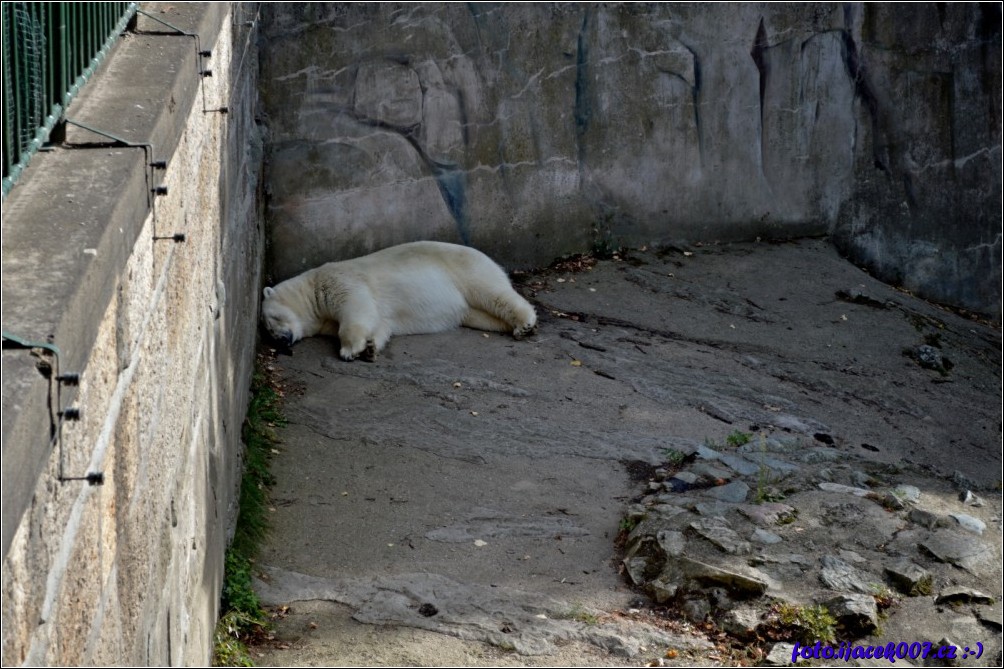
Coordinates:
x,y
243,615
738,438
628,524
765,491
808,623
229,649
923,587
604,247
579,614
884,597
674,458
788,518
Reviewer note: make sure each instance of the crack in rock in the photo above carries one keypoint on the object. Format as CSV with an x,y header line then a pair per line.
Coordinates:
x,y
527,623
486,523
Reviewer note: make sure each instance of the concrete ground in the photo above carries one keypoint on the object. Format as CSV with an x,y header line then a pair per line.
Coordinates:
x,y
457,501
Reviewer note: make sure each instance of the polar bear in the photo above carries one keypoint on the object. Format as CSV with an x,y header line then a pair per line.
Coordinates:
x,y
414,288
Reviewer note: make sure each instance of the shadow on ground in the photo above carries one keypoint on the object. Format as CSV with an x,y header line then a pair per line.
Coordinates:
x,y
458,500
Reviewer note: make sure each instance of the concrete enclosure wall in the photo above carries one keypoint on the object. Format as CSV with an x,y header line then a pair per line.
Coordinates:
x,y
535,130
162,333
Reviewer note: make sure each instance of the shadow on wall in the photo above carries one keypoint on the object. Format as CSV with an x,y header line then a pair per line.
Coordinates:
x,y
531,131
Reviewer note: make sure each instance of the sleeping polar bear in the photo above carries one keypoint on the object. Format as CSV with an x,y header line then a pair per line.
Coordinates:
x,y
414,288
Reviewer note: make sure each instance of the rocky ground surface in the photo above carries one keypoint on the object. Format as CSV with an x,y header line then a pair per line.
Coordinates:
x,y
704,454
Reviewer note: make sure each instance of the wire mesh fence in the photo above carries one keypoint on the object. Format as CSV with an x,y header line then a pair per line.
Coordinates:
x,y
50,50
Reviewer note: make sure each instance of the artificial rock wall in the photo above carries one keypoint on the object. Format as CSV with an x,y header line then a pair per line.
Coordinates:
x,y
162,333
534,130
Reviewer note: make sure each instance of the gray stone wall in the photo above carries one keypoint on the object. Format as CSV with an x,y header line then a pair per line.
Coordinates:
x,y
536,130
162,333
926,211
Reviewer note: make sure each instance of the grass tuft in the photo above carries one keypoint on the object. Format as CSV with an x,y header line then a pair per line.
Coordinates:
x,y
243,616
738,438
806,624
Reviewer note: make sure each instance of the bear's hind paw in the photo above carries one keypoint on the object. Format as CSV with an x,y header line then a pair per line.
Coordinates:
x,y
368,354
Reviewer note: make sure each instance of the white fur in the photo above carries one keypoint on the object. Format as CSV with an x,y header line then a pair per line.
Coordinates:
x,y
414,288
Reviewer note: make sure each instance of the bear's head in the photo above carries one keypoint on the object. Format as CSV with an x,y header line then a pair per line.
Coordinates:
x,y
279,318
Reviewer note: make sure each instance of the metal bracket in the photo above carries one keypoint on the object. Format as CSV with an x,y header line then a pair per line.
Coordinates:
x,y
62,414
177,237
152,164
148,151
200,53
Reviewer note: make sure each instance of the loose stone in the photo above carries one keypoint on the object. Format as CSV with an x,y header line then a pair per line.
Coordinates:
x,y
821,454
962,481
671,541
739,464
923,518
990,618
839,575
909,578
741,622
961,550
963,596
764,537
734,492
861,479
690,478
696,610
720,534
713,509
974,525
663,588
767,515
741,586
968,498
907,493
837,487
857,613
711,472
851,556
780,655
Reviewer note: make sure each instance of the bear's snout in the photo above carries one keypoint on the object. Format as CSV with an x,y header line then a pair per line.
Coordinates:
x,y
281,338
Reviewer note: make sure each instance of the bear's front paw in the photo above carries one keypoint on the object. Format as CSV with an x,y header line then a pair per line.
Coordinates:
x,y
524,331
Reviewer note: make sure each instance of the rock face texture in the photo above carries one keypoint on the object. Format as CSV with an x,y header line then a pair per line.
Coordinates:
x,y
531,131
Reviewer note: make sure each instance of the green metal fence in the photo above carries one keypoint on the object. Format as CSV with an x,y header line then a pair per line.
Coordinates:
x,y
50,50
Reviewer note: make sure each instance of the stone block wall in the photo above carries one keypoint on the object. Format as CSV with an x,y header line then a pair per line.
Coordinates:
x,y
162,333
534,130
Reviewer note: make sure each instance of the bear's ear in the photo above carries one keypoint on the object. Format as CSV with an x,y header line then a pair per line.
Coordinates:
x,y
268,292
